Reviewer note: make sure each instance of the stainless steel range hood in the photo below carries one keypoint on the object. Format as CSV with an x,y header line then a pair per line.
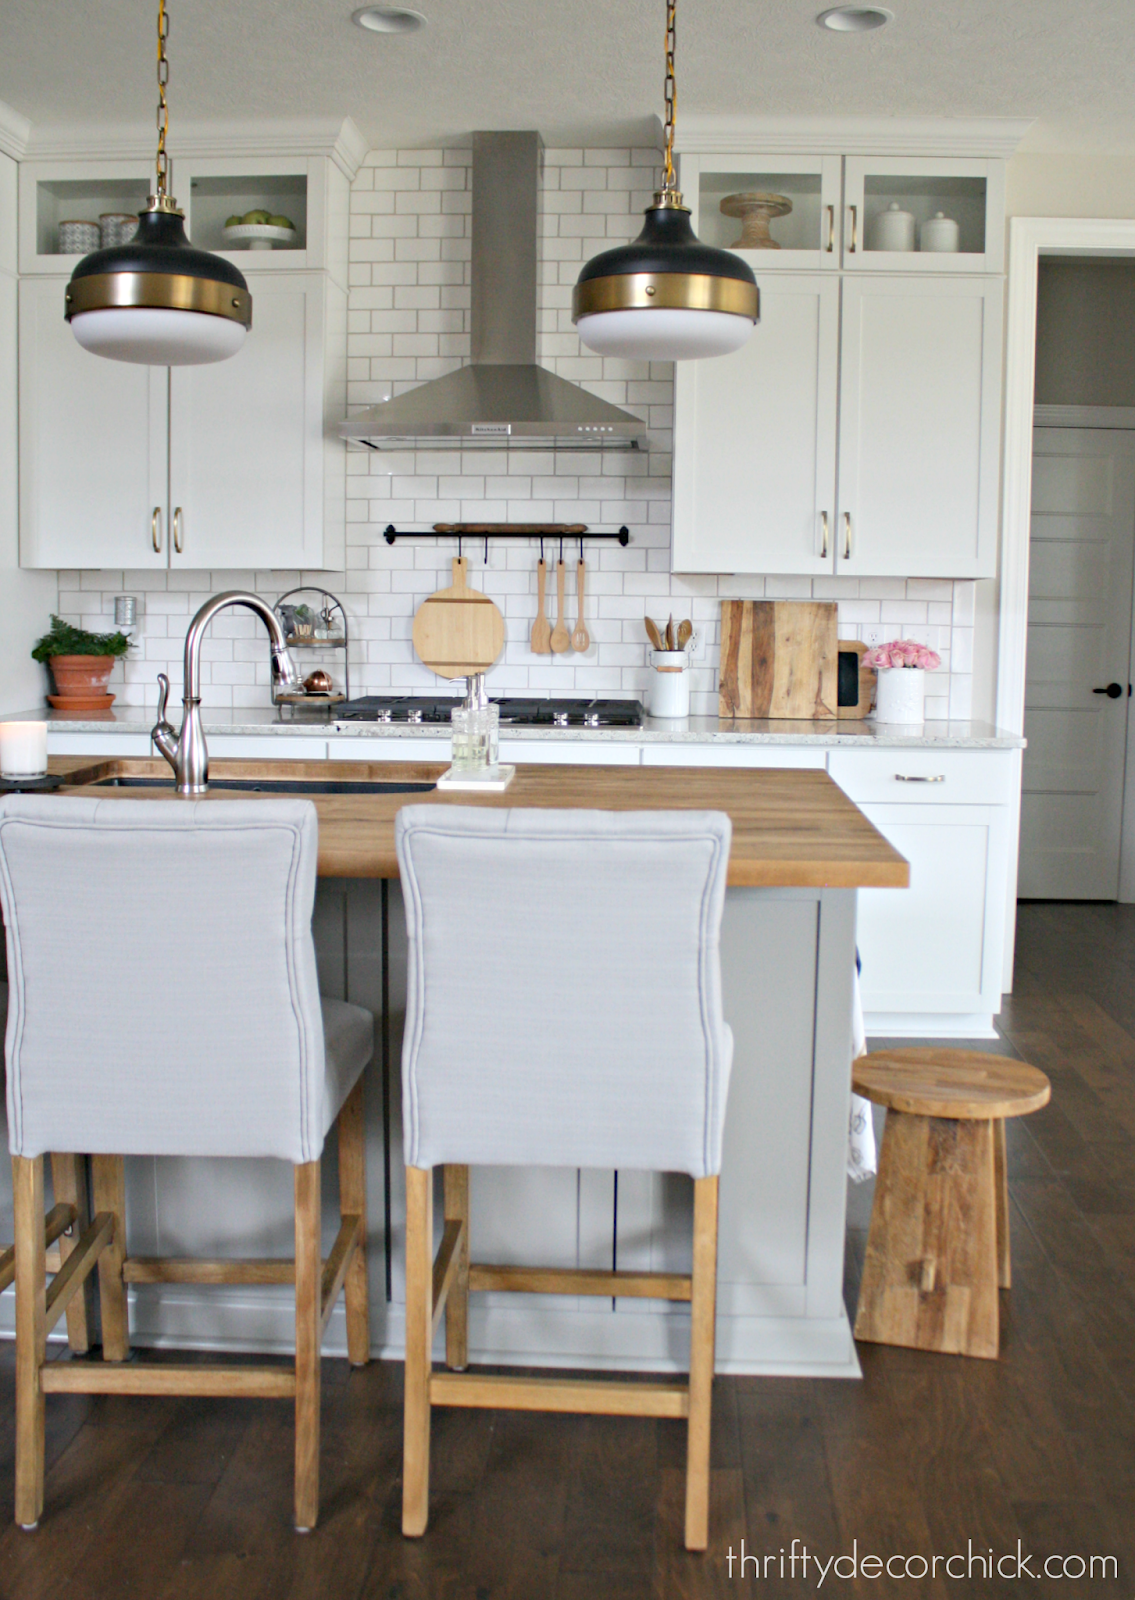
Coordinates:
x,y
502,397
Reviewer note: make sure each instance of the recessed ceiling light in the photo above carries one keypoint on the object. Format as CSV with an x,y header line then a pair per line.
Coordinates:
x,y
389,19
855,19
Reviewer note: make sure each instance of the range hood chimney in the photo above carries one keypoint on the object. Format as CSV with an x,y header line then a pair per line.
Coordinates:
x,y
502,397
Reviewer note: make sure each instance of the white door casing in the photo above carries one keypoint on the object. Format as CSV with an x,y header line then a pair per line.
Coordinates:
x,y
1079,640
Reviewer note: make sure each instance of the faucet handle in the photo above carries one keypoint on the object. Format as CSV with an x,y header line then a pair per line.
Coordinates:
x,y
163,695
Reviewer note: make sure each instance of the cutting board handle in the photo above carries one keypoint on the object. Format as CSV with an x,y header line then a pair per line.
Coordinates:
x,y
460,568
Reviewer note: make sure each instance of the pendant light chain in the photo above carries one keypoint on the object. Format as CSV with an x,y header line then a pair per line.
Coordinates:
x,y
163,109
670,92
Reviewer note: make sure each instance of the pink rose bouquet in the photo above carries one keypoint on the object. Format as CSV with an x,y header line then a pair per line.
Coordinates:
x,y
902,653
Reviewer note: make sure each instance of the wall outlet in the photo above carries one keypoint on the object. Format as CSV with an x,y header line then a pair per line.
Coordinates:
x,y
874,633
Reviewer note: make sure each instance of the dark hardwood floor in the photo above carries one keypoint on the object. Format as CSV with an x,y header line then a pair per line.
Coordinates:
x,y
929,1455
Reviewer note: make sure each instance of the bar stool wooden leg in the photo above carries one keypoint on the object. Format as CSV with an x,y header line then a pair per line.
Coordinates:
x,y
353,1201
457,1303
930,1273
109,1182
703,1313
31,1335
309,1275
419,1326
69,1181
1001,1197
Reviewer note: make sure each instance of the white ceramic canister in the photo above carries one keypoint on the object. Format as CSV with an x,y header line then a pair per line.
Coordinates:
x,y
669,692
939,234
894,229
901,695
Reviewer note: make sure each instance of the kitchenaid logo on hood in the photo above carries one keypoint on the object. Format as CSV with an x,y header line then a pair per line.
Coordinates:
x,y
497,428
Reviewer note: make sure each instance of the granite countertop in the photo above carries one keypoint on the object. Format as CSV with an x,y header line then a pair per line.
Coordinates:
x,y
849,733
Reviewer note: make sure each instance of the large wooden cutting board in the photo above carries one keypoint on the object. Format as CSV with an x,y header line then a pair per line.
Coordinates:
x,y
458,631
779,658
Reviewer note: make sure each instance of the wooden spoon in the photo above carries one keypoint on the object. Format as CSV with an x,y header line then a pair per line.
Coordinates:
x,y
580,639
652,633
671,642
541,628
561,638
685,633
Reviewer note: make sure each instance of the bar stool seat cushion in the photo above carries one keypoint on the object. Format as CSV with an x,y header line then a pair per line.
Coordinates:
x,y
603,1044
227,1051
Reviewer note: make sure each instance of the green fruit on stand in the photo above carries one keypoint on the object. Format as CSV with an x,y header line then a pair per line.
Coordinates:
x,y
233,222
281,222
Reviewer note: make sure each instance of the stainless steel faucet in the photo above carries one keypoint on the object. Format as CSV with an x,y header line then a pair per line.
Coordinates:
x,y
186,753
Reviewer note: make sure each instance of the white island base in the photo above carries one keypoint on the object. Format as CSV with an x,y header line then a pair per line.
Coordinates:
x,y
787,958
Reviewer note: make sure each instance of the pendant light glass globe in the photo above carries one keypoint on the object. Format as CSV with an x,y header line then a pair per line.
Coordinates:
x,y
666,296
156,300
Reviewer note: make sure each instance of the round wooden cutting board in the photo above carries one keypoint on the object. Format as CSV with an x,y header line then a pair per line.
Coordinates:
x,y
458,631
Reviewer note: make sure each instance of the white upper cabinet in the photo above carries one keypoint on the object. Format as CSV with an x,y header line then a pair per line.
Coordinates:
x,y
92,447
920,422
755,462
233,465
858,431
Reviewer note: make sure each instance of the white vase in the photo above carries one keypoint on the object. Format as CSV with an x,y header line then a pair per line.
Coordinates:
x,y
901,694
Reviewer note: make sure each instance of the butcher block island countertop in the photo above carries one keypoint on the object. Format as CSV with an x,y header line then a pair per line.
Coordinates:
x,y
791,828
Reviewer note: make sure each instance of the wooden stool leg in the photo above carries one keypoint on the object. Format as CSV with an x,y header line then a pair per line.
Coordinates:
x,y
109,1182
419,1319
1001,1195
309,1275
69,1181
31,1335
930,1275
457,1304
353,1201
703,1314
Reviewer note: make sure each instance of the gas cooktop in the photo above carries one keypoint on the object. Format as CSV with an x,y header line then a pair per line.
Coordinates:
x,y
514,713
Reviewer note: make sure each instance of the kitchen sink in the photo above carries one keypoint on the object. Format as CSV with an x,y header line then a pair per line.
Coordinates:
x,y
277,785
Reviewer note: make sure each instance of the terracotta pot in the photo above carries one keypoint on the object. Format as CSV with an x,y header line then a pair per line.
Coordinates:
x,y
80,677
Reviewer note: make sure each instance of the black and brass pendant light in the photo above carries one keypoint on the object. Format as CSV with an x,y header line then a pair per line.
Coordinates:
x,y
156,300
666,296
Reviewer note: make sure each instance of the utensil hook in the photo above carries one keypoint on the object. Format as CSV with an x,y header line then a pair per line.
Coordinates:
x,y
541,547
561,550
486,549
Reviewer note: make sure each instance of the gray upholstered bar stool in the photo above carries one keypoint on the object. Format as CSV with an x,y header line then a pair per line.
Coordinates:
x,y
210,902
563,1009
64,1223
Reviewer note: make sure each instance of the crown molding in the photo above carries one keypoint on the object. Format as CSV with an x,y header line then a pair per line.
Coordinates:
x,y
14,132
340,141
995,137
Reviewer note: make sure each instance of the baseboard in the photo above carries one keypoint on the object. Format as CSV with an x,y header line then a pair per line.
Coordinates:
x,y
930,1025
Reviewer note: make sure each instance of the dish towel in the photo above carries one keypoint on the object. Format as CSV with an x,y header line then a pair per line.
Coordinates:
x,y
861,1158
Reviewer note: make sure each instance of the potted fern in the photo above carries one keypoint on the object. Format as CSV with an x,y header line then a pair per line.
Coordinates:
x,y
81,664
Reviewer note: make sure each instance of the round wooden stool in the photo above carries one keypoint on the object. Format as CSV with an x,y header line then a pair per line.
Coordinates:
x,y
938,1247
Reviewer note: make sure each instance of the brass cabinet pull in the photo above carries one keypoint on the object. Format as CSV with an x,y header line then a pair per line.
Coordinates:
x,y
830,246
902,777
177,530
156,530
824,526
847,536
854,229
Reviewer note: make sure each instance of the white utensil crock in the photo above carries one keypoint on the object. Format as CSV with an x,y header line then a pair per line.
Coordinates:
x,y
901,694
669,692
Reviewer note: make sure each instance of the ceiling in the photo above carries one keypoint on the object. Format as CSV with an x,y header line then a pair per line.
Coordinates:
x,y
580,72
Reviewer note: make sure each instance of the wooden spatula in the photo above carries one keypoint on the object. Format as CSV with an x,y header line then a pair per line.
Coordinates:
x,y
652,633
580,639
561,638
541,629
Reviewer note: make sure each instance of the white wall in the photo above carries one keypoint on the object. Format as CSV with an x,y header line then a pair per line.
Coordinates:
x,y
26,598
409,307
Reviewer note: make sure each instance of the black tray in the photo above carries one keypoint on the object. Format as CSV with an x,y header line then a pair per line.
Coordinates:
x,y
31,785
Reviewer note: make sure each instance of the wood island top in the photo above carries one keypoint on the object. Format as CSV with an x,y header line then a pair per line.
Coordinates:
x,y
791,827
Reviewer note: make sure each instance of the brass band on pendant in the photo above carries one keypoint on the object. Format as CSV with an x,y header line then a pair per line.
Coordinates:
x,y
669,291
104,291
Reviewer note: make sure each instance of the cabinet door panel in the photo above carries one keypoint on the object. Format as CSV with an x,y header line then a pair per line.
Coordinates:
x,y
246,438
754,440
92,446
920,395
937,946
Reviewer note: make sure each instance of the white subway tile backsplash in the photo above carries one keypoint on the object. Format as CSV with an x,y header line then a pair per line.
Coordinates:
x,y
408,321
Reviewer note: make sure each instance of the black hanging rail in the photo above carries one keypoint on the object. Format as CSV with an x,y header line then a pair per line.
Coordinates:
x,y
505,530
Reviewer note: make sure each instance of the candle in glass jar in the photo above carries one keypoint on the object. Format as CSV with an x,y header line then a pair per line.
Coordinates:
x,y
23,749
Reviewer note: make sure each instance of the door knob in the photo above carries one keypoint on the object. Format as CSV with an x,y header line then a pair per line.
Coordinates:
x,y
1113,691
